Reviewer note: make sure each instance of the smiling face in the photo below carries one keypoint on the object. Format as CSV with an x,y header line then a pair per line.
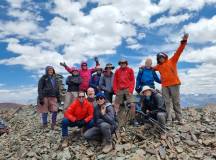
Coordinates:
x,y
161,59
50,72
90,93
84,66
81,96
147,93
148,62
100,101
123,64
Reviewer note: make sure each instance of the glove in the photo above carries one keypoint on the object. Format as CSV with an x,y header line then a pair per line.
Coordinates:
x,y
59,100
63,64
41,102
96,60
81,123
138,90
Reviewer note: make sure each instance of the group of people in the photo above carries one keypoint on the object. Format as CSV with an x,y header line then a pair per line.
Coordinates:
x,y
89,102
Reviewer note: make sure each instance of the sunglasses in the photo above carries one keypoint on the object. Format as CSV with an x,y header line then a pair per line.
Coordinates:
x,y
81,96
122,63
99,98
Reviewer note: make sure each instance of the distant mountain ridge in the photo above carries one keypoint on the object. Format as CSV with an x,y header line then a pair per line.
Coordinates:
x,y
197,100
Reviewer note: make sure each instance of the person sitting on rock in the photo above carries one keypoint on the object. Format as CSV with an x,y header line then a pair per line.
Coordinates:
x,y
91,96
106,82
146,76
48,96
95,79
170,81
73,81
79,113
84,72
105,123
152,104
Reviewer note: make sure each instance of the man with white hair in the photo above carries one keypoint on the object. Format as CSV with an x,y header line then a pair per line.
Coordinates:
x,y
146,76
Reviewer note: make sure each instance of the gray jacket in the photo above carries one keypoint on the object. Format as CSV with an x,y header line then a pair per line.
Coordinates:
x,y
109,116
106,83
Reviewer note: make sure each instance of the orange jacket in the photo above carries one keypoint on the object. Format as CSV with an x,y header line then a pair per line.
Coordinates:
x,y
124,79
168,69
76,111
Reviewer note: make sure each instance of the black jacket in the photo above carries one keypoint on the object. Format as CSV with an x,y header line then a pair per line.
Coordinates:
x,y
46,88
156,103
73,83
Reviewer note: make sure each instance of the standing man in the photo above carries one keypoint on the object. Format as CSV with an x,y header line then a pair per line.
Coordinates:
x,y
123,86
48,96
170,81
146,76
106,82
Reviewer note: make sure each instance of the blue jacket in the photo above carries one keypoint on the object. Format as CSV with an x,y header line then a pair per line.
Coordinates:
x,y
146,77
94,82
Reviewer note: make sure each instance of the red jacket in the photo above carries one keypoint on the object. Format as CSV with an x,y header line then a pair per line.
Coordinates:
x,y
124,79
168,69
76,111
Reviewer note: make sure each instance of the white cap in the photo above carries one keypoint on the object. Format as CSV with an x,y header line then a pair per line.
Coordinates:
x,y
145,88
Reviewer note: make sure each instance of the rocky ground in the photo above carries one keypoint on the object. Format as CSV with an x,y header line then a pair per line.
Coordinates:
x,y
194,140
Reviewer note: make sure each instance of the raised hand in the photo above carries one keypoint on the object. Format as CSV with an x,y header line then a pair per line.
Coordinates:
x,y
185,37
63,64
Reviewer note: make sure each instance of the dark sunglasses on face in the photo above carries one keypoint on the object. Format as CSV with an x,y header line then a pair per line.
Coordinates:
x,y
99,98
81,96
123,63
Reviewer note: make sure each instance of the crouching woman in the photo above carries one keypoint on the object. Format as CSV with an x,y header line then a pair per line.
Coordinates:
x,y
105,123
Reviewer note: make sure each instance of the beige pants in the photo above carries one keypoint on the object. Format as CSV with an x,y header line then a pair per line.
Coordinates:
x,y
69,98
171,95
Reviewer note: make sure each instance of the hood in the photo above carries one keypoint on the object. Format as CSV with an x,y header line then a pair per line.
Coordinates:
x,y
161,54
48,67
108,104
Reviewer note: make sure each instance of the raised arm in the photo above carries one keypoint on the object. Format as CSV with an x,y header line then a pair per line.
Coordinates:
x,y
180,49
66,67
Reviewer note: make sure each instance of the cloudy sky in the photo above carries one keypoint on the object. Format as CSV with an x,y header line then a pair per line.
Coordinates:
x,y
37,33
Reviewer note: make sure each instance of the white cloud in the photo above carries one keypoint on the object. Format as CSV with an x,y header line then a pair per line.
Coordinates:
x,y
202,31
15,3
175,6
20,94
32,57
20,28
204,55
199,80
170,20
135,46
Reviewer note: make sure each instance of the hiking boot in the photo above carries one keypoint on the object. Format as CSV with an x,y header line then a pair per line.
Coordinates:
x,y
53,126
169,123
65,142
134,123
44,126
182,122
107,148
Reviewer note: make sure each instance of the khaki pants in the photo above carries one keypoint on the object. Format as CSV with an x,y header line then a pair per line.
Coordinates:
x,y
69,98
171,95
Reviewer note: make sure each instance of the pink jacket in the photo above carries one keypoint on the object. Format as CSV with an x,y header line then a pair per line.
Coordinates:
x,y
85,75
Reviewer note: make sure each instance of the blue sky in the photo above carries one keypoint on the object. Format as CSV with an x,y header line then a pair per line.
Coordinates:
x,y
39,33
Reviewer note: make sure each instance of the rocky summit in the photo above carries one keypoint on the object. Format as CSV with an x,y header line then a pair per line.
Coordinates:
x,y
27,140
